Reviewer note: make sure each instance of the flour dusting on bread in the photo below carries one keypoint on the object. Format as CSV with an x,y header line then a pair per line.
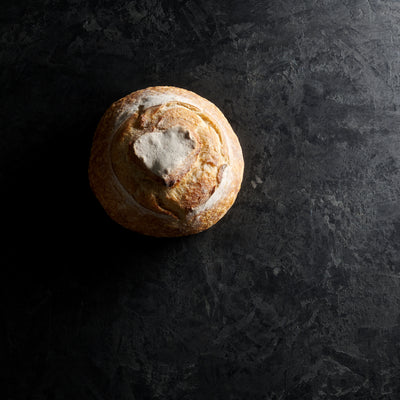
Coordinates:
x,y
164,151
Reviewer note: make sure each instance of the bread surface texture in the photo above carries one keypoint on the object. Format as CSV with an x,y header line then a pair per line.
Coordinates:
x,y
165,162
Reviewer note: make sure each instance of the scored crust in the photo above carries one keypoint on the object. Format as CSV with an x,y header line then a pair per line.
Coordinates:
x,y
190,197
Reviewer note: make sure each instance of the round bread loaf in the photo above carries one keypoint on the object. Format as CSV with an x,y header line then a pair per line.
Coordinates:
x,y
165,162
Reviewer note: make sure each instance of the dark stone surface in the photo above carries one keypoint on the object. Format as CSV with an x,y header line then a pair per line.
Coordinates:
x,y
295,294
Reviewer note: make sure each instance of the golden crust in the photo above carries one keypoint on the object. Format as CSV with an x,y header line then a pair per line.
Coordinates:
x,y
192,198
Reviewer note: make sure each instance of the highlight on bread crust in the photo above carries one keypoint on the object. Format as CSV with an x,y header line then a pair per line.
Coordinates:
x,y
165,162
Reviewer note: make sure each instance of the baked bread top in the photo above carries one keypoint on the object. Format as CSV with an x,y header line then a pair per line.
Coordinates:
x,y
165,162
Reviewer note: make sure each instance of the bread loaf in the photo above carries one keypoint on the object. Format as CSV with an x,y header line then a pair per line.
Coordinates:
x,y
165,162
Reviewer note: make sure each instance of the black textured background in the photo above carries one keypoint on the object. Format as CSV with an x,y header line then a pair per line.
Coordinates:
x,y
294,294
